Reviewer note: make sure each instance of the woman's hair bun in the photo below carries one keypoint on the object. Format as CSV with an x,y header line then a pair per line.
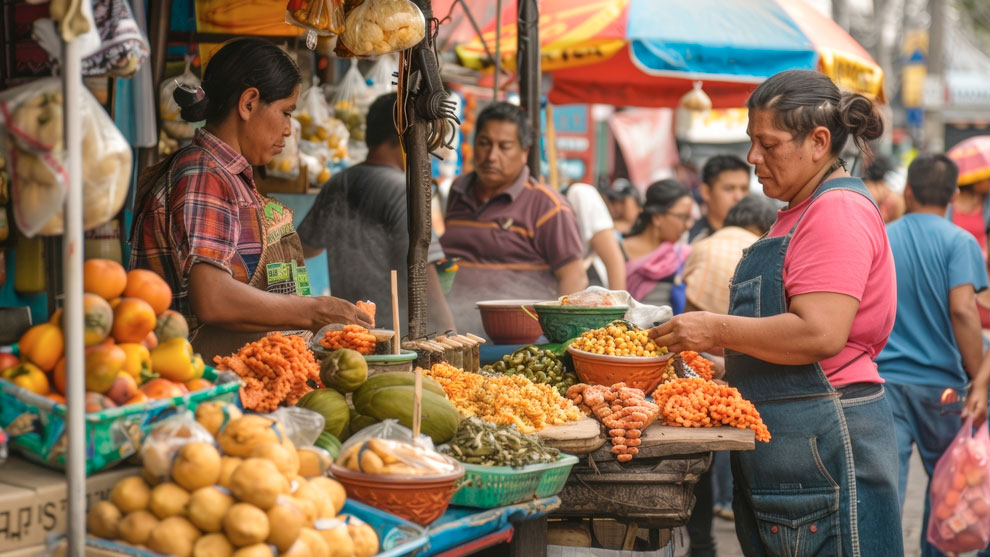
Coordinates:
x,y
860,116
193,102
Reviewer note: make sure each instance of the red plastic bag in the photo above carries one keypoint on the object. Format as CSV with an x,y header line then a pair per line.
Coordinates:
x,y
960,493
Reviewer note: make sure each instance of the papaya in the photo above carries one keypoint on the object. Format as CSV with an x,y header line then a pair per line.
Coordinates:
x,y
331,405
357,423
98,319
393,379
344,370
329,443
439,418
171,324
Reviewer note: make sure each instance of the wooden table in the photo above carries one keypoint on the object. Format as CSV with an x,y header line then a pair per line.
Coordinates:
x,y
655,489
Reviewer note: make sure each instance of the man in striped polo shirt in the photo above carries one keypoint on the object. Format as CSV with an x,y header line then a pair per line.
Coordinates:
x,y
516,238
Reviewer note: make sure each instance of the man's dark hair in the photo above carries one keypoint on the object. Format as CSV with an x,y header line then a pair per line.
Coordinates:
x,y
621,189
380,124
719,164
932,179
877,170
502,111
752,211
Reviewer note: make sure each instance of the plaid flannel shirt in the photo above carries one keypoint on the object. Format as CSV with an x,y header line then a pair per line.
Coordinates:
x,y
214,216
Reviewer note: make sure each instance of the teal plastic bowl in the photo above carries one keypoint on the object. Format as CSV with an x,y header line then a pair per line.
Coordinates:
x,y
562,323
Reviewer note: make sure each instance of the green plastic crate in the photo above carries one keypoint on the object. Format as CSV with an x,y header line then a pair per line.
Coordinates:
x,y
488,487
36,424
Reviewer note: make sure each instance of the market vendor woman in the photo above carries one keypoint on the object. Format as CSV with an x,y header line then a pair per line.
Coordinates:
x,y
811,304
231,256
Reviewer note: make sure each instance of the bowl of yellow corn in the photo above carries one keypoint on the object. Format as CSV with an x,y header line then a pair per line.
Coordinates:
x,y
619,352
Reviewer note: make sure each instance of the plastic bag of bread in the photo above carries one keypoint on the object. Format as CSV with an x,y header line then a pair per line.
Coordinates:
x,y
172,123
377,27
32,122
389,448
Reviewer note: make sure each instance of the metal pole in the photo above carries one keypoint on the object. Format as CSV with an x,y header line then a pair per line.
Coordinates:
x,y
528,62
418,192
498,48
72,252
934,128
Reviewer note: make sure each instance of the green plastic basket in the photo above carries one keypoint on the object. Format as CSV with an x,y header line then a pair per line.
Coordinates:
x,y
488,487
36,424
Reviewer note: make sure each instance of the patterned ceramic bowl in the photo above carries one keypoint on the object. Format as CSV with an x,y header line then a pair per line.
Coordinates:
x,y
562,323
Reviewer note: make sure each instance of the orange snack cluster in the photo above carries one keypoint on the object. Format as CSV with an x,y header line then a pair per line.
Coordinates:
x,y
369,307
354,337
623,410
274,369
696,402
701,365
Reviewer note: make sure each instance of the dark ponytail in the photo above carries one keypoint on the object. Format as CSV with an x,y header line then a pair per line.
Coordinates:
x,y
803,100
239,65
660,197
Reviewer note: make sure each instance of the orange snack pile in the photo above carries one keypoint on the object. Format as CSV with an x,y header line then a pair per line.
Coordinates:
x,y
354,337
701,365
274,369
696,402
623,410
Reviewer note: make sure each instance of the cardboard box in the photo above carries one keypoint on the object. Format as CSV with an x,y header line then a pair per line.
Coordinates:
x,y
34,501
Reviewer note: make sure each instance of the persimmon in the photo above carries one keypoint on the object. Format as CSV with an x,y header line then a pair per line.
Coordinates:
x,y
104,277
147,285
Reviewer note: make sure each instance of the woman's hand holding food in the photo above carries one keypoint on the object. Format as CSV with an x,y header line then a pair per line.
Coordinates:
x,y
328,309
695,330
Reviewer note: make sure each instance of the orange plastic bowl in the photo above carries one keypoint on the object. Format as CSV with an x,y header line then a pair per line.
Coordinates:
x,y
505,321
642,373
420,499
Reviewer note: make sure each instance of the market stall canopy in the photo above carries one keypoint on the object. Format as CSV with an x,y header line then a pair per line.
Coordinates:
x,y
648,52
973,158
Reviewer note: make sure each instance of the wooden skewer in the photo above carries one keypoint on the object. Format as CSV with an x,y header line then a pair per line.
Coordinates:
x,y
396,348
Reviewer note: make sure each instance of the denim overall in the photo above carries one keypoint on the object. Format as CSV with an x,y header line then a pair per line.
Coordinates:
x,y
826,484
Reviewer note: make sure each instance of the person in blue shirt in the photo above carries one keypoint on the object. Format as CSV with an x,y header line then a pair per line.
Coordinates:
x,y
937,340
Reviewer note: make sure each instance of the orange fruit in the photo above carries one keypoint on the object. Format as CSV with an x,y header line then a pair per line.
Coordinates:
x,y
104,277
198,384
56,397
58,376
133,319
150,287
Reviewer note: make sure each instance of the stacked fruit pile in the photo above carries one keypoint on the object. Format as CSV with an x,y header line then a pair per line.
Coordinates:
x,y
136,348
258,491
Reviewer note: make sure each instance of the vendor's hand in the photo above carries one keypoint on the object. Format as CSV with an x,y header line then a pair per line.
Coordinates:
x,y
976,403
328,309
695,330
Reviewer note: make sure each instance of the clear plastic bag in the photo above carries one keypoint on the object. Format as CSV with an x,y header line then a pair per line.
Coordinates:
x,y
286,164
317,157
172,122
377,27
301,425
159,448
317,17
389,448
351,100
599,297
381,77
32,120
960,493
639,314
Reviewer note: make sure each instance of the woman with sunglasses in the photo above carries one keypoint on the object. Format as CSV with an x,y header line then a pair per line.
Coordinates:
x,y
811,304
655,254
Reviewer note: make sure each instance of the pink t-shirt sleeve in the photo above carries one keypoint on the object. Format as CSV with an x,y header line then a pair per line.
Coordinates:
x,y
841,247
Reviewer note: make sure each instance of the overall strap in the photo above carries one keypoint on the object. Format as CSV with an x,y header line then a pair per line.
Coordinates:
x,y
846,183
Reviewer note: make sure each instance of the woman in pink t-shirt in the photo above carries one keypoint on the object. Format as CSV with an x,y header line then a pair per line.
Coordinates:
x,y
811,304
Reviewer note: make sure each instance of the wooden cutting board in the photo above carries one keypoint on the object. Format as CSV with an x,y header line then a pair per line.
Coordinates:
x,y
576,438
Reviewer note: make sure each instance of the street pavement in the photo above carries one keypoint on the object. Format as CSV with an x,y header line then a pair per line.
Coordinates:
x,y
728,546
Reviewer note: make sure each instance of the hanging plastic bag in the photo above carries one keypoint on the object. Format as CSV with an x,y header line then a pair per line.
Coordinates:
x,y
377,27
317,17
351,100
172,122
381,77
960,493
286,164
32,119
